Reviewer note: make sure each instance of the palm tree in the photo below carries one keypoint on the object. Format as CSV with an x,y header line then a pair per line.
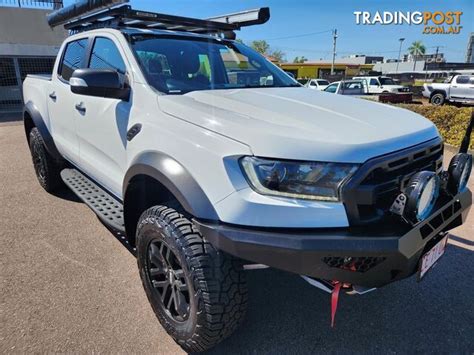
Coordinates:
x,y
416,49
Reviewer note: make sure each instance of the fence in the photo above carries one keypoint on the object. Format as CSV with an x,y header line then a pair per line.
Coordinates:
x,y
13,71
43,4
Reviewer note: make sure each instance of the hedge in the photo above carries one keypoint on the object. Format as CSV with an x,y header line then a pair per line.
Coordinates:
x,y
451,121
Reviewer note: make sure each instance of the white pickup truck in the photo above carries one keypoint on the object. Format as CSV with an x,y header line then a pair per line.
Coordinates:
x,y
457,89
381,84
175,141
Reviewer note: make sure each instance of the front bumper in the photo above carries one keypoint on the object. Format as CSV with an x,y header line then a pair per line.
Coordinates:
x,y
385,255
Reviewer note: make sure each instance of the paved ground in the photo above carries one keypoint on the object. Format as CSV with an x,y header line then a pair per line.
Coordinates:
x,y
67,285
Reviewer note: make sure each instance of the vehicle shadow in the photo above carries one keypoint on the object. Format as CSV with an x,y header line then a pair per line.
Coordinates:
x,y
288,316
66,194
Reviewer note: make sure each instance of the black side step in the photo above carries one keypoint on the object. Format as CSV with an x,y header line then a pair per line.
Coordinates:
x,y
107,208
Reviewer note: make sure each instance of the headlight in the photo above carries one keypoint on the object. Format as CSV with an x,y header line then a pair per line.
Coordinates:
x,y
296,179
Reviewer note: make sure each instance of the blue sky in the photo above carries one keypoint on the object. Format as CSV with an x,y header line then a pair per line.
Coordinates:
x,y
300,17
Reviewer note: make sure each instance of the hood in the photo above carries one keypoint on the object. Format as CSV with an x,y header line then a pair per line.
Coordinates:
x,y
302,124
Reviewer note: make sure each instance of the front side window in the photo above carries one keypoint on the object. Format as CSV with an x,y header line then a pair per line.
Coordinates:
x,y
177,65
331,88
387,81
105,55
73,58
462,79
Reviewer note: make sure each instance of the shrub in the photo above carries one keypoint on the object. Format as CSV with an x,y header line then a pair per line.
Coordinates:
x,y
451,121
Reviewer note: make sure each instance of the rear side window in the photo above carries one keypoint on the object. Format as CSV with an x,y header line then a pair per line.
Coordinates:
x,y
105,55
374,82
462,79
73,58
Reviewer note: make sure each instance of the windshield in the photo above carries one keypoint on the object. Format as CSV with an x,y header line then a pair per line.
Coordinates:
x,y
176,65
386,81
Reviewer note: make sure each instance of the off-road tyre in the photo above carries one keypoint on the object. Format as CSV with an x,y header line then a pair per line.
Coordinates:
x,y
438,99
46,168
217,289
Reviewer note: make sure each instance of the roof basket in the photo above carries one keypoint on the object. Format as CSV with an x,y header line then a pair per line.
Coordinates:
x,y
90,14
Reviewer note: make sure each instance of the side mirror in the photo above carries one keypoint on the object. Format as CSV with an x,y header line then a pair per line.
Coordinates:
x,y
98,82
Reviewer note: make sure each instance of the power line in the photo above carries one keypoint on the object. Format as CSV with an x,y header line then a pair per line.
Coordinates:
x,y
297,36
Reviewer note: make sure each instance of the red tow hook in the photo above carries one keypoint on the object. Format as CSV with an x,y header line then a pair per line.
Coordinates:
x,y
334,301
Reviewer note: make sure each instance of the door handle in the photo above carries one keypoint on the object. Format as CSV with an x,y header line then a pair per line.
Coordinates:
x,y
454,86
80,107
52,95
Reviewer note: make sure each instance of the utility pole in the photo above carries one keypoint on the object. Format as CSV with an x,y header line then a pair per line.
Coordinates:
x,y
334,37
399,53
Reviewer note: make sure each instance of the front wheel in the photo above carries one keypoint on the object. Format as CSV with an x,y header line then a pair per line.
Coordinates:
x,y
437,99
198,293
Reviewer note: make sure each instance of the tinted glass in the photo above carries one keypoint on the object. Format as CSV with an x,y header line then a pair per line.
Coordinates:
x,y
73,58
323,82
179,65
374,82
462,79
331,88
387,81
105,55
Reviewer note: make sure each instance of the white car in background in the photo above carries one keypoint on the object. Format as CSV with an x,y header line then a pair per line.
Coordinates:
x,y
317,84
347,87
381,84
457,89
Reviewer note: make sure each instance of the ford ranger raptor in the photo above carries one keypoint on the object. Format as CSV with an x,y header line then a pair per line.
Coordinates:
x,y
210,160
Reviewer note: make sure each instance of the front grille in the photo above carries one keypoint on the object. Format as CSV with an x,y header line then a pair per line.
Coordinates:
x,y
369,194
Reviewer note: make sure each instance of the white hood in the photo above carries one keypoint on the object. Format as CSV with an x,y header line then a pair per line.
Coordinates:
x,y
297,123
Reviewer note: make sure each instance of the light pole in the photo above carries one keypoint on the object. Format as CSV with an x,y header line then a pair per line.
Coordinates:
x,y
399,53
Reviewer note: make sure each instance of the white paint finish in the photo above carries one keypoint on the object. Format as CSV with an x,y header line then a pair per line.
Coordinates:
x,y
297,123
205,132
246,207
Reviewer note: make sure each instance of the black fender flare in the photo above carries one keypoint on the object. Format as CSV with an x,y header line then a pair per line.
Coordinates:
x,y
176,178
38,121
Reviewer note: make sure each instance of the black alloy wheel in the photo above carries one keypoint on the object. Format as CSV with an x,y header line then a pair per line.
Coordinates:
x,y
168,279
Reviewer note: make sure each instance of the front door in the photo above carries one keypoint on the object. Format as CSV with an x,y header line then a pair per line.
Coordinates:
x,y
462,87
102,123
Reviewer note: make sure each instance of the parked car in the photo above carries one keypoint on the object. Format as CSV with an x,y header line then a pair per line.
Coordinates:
x,y
317,84
381,84
208,171
347,87
457,89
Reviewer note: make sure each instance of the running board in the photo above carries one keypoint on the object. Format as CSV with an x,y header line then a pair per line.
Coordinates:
x,y
106,207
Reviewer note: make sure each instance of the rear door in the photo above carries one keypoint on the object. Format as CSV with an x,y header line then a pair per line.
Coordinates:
x,y
102,127
462,87
61,100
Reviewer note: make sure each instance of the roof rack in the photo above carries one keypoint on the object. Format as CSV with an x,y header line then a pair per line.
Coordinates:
x,y
79,19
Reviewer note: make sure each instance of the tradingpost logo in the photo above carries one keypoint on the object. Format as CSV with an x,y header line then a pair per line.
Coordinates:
x,y
433,22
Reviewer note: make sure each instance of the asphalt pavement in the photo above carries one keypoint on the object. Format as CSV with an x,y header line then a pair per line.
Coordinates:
x,y
69,285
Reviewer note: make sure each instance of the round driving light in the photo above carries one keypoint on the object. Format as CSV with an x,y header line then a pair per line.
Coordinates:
x,y
459,171
422,192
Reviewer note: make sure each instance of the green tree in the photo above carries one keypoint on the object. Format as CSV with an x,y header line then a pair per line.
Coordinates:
x,y
301,59
278,55
260,46
416,49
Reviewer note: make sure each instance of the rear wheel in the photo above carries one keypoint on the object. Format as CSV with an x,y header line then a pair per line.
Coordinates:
x,y
198,293
46,168
437,99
